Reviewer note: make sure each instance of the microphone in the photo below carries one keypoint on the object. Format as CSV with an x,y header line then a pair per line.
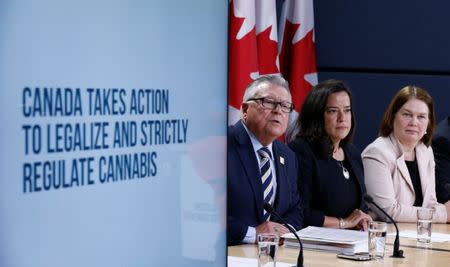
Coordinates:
x,y
397,253
272,212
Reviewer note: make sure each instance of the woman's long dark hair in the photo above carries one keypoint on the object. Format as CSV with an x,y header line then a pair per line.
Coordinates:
x,y
311,122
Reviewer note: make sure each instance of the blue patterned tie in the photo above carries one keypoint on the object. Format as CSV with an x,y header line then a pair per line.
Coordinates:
x,y
266,177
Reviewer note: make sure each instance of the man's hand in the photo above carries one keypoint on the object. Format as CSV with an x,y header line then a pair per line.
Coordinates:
x,y
269,227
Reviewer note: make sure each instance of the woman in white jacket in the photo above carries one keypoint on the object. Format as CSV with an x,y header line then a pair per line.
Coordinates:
x,y
399,166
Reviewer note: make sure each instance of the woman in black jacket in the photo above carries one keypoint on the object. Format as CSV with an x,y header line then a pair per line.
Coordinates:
x,y
331,175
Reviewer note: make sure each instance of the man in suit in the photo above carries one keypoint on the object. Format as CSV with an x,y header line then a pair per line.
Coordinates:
x,y
441,149
260,168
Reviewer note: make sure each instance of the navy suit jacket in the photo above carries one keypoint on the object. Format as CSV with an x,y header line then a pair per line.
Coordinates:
x,y
441,149
244,188
320,196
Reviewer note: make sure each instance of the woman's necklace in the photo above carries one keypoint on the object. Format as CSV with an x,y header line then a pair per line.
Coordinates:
x,y
340,163
344,170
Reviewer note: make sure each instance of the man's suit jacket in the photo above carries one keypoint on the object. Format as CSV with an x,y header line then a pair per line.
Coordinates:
x,y
389,183
244,187
317,181
441,149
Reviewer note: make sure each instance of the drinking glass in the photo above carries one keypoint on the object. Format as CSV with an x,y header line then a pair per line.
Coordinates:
x,y
424,223
267,250
377,239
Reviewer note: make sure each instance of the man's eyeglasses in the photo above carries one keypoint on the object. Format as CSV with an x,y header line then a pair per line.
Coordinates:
x,y
286,107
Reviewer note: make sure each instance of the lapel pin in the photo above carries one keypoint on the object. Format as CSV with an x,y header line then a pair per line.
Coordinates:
x,y
282,160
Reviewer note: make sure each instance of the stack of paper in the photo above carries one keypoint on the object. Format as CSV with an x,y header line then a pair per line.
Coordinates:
x,y
329,239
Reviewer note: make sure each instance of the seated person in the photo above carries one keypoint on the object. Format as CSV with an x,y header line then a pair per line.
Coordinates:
x,y
331,176
260,168
399,165
441,149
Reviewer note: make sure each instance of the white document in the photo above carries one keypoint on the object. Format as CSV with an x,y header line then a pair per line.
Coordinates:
x,y
435,237
329,239
249,262
329,234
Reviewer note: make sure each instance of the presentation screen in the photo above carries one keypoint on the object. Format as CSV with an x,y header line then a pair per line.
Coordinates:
x,y
113,125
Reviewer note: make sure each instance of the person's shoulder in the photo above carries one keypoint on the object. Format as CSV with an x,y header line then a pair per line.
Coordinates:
x,y
236,135
233,128
352,149
281,145
283,148
381,141
236,129
231,132
382,146
300,145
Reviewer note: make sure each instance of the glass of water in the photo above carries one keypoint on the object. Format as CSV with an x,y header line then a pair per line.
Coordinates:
x,y
424,222
267,250
377,239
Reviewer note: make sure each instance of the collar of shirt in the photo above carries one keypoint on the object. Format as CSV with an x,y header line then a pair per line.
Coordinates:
x,y
256,144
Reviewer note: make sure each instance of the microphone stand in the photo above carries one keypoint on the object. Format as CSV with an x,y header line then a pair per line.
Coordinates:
x,y
397,253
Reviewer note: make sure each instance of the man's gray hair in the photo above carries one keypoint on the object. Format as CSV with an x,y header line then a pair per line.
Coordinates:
x,y
275,79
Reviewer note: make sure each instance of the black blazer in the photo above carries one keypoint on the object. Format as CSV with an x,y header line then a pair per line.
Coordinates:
x,y
441,149
244,188
316,179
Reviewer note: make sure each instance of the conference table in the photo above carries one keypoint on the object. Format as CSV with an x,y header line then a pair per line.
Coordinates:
x,y
435,254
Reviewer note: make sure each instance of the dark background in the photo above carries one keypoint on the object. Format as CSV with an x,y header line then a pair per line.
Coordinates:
x,y
378,47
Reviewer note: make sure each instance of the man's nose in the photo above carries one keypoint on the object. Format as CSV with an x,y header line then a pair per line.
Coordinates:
x,y
277,108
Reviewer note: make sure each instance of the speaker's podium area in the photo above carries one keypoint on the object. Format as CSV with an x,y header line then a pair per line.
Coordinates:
x,y
416,254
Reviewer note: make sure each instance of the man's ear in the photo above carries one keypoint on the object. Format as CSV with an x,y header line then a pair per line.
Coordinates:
x,y
244,109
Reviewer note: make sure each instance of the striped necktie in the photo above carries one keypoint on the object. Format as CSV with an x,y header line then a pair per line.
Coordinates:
x,y
266,177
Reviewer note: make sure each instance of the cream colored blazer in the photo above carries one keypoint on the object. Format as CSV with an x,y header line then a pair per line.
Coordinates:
x,y
388,181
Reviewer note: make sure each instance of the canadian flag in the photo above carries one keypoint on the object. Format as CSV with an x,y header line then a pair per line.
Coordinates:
x,y
253,48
